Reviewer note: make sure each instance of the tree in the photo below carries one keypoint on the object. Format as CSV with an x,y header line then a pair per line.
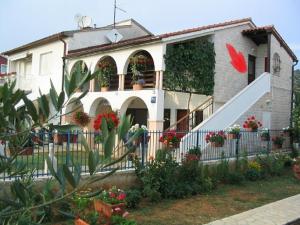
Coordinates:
x,y
25,205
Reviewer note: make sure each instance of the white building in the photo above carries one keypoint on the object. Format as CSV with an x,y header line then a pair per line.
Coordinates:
x,y
268,98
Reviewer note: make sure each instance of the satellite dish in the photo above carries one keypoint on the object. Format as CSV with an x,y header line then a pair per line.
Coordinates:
x,y
86,21
83,21
114,36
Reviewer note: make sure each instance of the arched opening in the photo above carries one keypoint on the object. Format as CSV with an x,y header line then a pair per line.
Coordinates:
x,y
99,106
138,110
140,69
107,74
81,68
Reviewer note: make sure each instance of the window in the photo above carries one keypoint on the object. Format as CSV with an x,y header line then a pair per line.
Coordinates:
x,y
45,63
3,69
167,116
276,63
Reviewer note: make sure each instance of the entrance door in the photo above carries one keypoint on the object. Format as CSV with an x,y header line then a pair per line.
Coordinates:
x,y
184,124
138,115
251,68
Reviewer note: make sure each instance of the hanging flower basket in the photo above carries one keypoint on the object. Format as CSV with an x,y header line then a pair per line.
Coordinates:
x,y
80,222
252,124
171,145
217,144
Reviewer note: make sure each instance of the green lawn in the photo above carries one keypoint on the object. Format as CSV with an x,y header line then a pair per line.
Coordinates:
x,y
226,200
37,160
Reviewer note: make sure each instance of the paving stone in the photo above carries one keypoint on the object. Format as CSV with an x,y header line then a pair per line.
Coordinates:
x,y
276,213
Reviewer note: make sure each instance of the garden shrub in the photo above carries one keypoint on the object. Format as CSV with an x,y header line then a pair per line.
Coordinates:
x,y
235,177
119,220
273,164
253,172
133,198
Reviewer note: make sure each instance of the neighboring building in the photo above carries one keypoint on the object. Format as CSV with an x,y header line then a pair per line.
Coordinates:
x,y
262,47
3,69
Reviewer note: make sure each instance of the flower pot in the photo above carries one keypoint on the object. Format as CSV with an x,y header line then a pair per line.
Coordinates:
x,y
232,136
251,129
296,169
104,89
58,139
137,87
171,145
216,144
80,222
107,209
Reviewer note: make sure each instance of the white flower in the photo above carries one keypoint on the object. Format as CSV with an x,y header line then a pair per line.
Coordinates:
x,y
144,128
136,126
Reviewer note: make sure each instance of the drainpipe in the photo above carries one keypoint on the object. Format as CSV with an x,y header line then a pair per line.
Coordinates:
x,y
292,107
292,92
63,72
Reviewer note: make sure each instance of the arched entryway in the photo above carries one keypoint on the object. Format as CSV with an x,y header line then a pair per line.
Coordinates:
x,y
141,62
99,106
138,110
107,74
81,68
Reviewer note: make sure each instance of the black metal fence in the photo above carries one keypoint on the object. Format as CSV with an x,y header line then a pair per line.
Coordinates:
x,y
67,149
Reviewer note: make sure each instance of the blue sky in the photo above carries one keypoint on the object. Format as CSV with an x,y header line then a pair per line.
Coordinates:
x,y
22,21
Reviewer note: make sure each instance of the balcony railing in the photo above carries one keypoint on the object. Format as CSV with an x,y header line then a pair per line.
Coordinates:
x,y
149,78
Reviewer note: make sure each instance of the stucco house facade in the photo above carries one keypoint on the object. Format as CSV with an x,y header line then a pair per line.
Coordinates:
x,y
263,49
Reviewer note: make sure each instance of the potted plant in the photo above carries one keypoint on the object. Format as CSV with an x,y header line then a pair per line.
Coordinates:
x,y
252,124
216,139
144,138
278,141
296,168
233,132
265,134
193,155
80,118
171,139
138,64
105,70
111,118
111,202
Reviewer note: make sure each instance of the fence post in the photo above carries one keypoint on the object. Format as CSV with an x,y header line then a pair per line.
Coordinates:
x,y
51,155
143,147
68,149
269,143
197,139
237,146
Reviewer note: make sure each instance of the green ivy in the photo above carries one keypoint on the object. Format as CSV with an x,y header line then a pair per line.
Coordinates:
x,y
190,67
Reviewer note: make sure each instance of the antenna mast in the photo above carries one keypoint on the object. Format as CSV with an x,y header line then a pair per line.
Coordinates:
x,y
115,8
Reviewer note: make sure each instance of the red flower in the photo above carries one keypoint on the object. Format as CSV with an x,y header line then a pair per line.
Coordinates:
x,y
111,120
121,196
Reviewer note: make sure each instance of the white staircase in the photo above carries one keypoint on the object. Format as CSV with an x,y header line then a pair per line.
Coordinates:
x,y
230,112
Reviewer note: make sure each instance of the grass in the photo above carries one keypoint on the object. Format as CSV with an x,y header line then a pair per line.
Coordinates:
x,y
225,201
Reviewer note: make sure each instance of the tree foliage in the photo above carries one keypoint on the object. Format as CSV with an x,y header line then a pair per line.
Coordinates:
x,y
190,66
18,116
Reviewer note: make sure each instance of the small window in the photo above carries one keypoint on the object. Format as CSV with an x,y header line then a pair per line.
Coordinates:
x,y
276,63
167,116
3,69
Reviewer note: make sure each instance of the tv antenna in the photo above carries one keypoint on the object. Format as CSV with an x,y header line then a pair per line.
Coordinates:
x,y
115,11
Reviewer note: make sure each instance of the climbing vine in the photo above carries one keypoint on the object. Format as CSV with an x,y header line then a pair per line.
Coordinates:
x,y
190,67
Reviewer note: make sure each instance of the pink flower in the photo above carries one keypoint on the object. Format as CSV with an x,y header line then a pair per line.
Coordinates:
x,y
121,196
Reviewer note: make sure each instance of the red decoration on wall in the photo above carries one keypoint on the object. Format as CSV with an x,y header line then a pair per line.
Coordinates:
x,y
237,59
